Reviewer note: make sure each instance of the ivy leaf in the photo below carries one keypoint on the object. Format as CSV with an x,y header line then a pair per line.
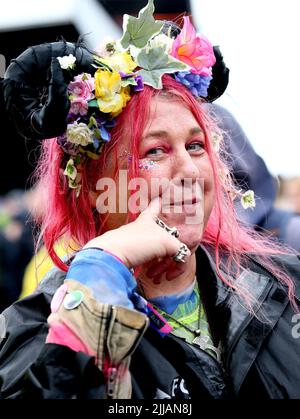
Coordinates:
x,y
138,30
155,62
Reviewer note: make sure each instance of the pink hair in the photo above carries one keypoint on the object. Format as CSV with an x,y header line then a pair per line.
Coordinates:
x,y
75,219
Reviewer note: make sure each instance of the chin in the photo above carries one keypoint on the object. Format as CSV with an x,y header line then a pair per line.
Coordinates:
x,y
191,235
190,229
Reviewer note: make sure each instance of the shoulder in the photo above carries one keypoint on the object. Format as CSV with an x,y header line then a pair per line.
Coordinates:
x,y
25,324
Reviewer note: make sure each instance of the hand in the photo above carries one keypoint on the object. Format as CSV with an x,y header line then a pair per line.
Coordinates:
x,y
140,241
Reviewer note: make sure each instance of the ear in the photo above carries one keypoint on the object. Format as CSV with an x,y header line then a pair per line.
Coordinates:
x,y
93,198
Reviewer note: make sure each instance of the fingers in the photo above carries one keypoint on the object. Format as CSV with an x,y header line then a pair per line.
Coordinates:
x,y
154,207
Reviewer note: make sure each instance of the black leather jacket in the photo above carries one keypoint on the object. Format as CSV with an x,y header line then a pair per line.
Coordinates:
x,y
260,354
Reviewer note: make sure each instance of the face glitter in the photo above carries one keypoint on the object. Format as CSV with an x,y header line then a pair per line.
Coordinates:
x,y
144,165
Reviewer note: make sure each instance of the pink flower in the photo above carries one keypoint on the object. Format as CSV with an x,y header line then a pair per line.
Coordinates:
x,y
82,86
193,49
79,106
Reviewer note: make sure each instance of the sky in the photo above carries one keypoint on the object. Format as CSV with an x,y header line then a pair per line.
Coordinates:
x,y
260,43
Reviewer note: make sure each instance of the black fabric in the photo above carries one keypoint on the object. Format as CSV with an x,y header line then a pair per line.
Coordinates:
x,y
35,88
260,356
177,370
220,77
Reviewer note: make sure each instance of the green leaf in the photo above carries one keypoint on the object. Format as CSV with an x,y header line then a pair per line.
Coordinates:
x,y
93,103
92,122
100,63
138,30
130,81
155,62
97,134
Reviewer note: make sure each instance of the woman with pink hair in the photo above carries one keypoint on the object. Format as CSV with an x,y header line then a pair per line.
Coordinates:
x,y
164,293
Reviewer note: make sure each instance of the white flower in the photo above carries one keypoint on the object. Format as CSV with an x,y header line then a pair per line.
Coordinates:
x,y
216,141
70,170
79,134
163,41
108,47
67,62
248,200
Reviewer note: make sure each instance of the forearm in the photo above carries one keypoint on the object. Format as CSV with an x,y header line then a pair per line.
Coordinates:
x,y
102,322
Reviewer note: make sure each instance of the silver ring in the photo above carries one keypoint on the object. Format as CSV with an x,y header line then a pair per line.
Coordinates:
x,y
172,230
181,254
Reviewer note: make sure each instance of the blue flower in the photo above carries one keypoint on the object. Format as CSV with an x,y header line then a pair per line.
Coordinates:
x,y
196,83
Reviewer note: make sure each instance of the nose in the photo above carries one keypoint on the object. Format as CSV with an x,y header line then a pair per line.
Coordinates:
x,y
184,166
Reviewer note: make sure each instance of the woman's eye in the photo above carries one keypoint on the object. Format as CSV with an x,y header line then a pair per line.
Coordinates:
x,y
154,152
196,146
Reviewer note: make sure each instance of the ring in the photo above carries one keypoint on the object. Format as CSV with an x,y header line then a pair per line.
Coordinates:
x,y
181,254
172,230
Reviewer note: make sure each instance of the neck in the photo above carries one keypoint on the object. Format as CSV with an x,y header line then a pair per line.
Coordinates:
x,y
165,286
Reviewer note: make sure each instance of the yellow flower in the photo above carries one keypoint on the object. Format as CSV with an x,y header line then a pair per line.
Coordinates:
x,y
124,93
107,84
111,97
121,61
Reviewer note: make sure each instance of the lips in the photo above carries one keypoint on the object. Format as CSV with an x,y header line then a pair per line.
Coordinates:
x,y
192,201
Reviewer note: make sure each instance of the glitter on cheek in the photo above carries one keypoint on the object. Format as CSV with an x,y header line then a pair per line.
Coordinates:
x,y
144,164
147,165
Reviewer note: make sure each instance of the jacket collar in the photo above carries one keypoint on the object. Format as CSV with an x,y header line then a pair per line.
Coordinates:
x,y
240,332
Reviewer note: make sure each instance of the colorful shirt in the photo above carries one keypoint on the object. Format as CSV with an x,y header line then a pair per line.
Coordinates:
x,y
189,312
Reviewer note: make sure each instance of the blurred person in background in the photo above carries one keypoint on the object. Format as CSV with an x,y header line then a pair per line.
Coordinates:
x,y
250,172
16,244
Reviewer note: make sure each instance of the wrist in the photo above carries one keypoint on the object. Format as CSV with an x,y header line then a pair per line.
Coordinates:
x,y
104,244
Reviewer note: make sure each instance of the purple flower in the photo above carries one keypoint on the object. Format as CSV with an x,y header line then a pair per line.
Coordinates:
x,y
138,79
140,85
196,83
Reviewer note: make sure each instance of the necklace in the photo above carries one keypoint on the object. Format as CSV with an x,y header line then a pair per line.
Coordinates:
x,y
202,341
195,332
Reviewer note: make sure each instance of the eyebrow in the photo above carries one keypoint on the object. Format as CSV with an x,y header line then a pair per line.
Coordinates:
x,y
162,133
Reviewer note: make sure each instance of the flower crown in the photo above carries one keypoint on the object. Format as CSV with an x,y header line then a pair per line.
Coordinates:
x,y
142,56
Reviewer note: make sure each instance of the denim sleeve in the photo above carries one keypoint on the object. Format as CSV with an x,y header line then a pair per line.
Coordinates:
x,y
108,278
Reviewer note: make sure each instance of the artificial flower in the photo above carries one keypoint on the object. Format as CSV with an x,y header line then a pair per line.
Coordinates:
x,y
107,84
79,106
125,96
161,40
67,62
217,138
70,170
139,84
111,97
193,49
107,47
82,87
248,200
197,83
79,133
121,61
